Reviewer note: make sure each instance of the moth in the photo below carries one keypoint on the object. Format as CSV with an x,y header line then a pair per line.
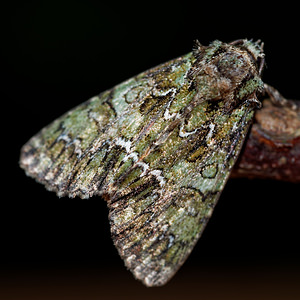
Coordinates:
x,y
158,148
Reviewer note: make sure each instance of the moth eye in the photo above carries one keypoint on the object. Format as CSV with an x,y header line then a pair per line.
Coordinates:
x,y
232,65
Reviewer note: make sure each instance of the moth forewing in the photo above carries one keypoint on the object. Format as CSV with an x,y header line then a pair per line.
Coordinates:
x,y
159,148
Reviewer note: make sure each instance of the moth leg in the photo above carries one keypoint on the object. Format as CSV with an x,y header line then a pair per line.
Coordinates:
x,y
277,99
228,108
253,99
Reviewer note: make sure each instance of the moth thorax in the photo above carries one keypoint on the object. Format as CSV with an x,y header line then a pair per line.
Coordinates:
x,y
238,67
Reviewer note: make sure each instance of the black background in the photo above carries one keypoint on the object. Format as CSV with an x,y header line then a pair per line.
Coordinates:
x,y
57,54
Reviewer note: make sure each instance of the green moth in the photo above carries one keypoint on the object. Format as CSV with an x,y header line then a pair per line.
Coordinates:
x,y
158,148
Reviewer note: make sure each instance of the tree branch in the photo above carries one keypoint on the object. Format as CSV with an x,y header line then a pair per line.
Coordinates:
x,y
272,150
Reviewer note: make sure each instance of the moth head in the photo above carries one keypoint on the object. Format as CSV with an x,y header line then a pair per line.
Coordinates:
x,y
254,59
230,72
239,58
255,50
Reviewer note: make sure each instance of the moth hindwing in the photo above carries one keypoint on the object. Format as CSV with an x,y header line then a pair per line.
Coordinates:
x,y
158,148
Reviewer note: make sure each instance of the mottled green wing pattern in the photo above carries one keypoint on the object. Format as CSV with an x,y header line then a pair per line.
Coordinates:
x,y
157,218
158,148
74,155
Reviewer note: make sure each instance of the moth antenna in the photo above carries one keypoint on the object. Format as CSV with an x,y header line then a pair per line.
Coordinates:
x,y
197,44
236,42
261,65
197,48
277,99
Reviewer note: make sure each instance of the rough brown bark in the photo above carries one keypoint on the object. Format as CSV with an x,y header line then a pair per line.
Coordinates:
x,y
272,150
